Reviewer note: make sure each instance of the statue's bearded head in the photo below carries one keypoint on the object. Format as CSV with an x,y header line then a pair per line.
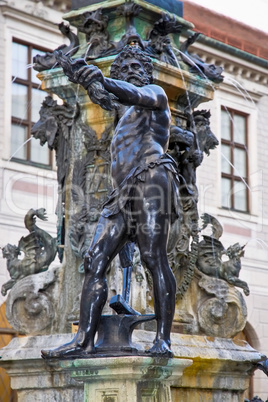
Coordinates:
x,y
132,65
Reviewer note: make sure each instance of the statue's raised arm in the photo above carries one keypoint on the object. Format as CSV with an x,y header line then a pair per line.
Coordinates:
x,y
90,77
129,84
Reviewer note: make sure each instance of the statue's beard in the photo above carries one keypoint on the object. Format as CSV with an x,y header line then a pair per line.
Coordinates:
x,y
137,80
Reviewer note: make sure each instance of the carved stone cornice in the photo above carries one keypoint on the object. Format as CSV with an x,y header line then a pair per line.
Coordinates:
x,y
27,13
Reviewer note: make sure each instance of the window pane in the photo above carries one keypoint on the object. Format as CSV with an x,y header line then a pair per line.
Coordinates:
x,y
225,125
34,78
39,154
18,142
234,135
225,159
240,162
239,129
37,98
240,196
19,60
225,193
19,101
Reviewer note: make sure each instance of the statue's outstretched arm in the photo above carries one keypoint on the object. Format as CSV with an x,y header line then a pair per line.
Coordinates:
x,y
90,77
148,96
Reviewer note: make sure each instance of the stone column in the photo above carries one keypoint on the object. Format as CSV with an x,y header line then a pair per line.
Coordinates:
x,y
127,379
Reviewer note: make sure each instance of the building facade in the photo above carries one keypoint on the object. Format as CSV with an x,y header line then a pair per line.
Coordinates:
x,y
233,181
28,177
27,171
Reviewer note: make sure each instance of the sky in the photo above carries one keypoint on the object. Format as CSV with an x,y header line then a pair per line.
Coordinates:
x,y
251,12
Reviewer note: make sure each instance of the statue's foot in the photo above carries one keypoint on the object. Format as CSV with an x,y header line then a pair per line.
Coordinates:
x,y
68,351
160,349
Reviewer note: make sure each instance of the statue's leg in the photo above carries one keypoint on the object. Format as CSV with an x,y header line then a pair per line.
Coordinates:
x,y
235,281
152,212
110,236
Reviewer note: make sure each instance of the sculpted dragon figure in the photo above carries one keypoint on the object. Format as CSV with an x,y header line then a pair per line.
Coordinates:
x,y
48,60
210,255
38,247
197,65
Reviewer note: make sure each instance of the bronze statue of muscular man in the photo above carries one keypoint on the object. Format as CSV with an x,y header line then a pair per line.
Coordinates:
x,y
144,201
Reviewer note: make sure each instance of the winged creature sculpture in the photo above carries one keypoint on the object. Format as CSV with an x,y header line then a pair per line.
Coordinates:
x,y
34,252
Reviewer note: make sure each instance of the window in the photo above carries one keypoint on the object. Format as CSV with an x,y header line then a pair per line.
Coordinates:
x,y
234,166
26,103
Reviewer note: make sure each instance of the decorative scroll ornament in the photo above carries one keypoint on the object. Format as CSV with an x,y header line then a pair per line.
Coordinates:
x,y
30,306
224,315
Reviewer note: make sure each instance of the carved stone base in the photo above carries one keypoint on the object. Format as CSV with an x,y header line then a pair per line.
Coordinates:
x,y
127,379
204,368
211,307
32,377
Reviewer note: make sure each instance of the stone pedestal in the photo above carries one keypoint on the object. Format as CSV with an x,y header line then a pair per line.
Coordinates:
x,y
32,377
127,379
110,379
203,368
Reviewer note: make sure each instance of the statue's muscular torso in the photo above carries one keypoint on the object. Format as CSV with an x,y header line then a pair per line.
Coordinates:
x,y
141,136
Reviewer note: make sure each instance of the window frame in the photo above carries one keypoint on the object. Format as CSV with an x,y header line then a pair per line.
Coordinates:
x,y
232,176
27,123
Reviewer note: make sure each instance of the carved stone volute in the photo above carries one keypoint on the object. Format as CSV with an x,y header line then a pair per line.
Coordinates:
x,y
30,305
